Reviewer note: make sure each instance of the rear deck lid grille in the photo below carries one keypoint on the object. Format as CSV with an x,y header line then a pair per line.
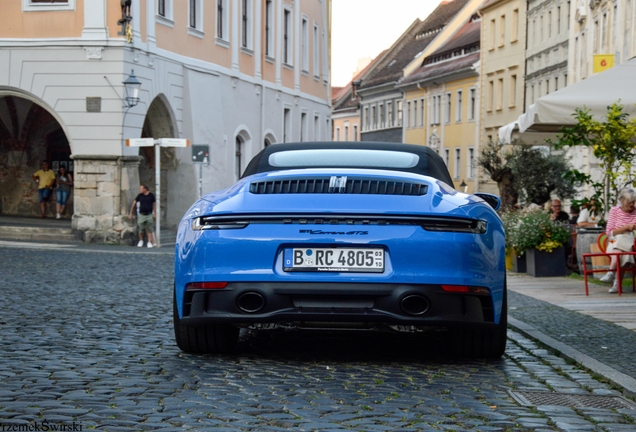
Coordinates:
x,y
338,185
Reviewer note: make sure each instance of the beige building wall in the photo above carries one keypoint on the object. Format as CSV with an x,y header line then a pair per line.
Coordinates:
x,y
174,34
456,126
415,115
547,51
460,134
30,24
600,27
503,45
346,127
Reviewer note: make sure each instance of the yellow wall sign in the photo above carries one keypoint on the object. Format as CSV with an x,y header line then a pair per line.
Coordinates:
x,y
603,62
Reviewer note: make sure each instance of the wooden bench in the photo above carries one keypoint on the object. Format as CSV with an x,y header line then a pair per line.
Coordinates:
x,y
587,271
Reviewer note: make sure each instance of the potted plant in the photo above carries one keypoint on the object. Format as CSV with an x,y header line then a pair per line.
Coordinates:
x,y
517,258
542,240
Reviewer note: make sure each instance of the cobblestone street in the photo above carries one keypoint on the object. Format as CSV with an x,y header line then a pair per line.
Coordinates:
x,y
86,339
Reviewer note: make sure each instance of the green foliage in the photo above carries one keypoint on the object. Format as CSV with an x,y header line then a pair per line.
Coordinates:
x,y
612,142
510,220
538,175
534,229
525,173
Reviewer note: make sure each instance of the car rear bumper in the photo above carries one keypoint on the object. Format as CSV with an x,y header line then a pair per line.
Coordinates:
x,y
248,303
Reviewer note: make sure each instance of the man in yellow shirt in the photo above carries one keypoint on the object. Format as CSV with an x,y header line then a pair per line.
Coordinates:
x,y
46,179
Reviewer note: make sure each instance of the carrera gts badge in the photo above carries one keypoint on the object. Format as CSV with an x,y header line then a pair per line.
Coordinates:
x,y
321,232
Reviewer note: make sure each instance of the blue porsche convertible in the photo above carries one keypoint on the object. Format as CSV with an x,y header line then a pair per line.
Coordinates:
x,y
354,235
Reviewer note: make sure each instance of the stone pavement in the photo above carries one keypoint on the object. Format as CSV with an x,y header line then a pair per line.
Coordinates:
x,y
596,330
86,339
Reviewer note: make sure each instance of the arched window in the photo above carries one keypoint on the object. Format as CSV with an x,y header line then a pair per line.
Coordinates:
x,y
238,168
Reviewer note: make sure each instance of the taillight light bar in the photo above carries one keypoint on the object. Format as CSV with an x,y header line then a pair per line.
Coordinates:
x,y
429,223
455,225
465,289
206,285
203,223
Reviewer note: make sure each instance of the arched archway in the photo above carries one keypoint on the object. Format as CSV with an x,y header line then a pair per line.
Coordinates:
x,y
159,123
29,134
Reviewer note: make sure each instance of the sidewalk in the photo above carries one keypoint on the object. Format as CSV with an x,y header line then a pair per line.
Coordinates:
x,y
597,331
50,232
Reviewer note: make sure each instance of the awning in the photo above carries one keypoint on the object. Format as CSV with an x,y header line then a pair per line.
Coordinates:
x,y
555,110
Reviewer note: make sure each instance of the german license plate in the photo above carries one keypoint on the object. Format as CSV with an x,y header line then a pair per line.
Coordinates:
x,y
334,260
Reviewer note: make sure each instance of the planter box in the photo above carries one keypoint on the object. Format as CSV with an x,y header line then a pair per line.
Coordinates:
x,y
519,263
546,264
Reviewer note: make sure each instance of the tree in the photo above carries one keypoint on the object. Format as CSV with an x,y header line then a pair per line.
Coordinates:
x,y
612,142
537,175
494,161
526,173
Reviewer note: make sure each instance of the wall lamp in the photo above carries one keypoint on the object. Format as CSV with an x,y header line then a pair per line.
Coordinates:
x,y
131,86
464,185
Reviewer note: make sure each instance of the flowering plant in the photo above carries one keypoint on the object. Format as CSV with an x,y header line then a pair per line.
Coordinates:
x,y
534,229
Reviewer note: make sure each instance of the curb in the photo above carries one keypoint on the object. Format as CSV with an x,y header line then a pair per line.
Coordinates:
x,y
167,249
615,377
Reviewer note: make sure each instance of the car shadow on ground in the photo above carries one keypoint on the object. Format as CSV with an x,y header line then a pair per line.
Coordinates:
x,y
348,346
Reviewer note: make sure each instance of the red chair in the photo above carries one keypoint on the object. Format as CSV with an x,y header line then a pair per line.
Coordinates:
x,y
601,241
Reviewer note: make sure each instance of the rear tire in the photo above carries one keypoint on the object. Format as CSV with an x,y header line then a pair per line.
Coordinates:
x,y
204,339
484,343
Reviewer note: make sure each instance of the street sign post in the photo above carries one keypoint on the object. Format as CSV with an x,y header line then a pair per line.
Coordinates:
x,y
140,142
163,142
173,142
158,143
200,155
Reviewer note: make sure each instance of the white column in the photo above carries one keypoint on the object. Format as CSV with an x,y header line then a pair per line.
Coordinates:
x,y
326,40
95,20
235,40
135,11
150,25
258,34
297,38
279,39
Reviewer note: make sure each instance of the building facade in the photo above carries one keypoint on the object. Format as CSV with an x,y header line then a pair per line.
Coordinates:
x,y
600,31
442,104
548,29
383,108
345,111
502,71
600,27
235,75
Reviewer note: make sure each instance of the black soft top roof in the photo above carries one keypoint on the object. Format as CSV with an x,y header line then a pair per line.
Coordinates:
x,y
429,164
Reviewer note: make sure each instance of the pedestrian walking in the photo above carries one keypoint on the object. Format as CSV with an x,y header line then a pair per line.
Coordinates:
x,y
46,180
146,205
64,183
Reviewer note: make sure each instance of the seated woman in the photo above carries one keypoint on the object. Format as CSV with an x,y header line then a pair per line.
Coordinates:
x,y
590,215
620,231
